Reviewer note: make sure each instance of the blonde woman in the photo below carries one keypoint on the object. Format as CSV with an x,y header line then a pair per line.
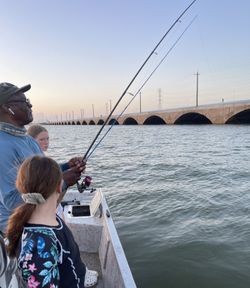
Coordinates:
x,y
41,135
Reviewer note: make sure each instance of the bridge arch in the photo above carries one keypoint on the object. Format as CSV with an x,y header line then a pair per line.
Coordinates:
x,y
242,117
192,118
113,122
130,121
91,122
100,122
78,123
154,120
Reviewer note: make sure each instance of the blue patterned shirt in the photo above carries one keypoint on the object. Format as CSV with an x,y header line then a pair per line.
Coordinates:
x,y
50,258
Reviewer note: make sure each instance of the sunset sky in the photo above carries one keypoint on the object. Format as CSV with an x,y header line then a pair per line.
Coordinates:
x,y
81,54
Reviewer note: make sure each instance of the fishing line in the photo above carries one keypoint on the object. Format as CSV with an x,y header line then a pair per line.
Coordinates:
x,y
81,186
135,76
141,87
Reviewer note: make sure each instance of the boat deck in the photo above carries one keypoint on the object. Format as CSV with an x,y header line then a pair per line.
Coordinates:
x,y
92,261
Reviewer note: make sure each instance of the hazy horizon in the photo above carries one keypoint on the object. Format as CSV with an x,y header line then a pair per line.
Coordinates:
x,y
81,54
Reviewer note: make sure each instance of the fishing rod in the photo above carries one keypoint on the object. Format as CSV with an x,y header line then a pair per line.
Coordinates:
x,y
135,76
85,183
144,83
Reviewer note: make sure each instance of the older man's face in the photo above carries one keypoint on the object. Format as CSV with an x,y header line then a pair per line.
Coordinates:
x,y
21,107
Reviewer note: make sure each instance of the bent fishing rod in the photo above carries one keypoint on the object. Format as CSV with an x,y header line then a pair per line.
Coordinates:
x,y
139,90
135,76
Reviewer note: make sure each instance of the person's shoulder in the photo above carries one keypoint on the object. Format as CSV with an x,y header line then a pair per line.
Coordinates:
x,y
13,140
5,137
6,144
40,239
33,143
29,139
38,231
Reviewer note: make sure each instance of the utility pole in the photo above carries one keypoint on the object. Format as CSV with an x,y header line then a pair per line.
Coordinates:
x,y
110,106
197,88
160,99
107,108
140,101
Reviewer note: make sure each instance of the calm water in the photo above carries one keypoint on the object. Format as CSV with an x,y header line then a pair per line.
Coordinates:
x,y
180,198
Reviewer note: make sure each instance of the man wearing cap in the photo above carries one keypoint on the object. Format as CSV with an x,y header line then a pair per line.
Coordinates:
x,y
16,146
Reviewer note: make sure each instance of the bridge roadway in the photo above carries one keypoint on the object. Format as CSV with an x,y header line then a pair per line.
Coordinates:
x,y
222,113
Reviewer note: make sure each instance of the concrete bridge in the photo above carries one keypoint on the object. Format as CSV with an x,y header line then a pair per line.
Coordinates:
x,y
222,113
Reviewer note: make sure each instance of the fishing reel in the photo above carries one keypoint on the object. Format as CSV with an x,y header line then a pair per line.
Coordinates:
x,y
85,185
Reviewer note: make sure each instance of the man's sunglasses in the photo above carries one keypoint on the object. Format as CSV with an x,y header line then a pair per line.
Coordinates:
x,y
26,101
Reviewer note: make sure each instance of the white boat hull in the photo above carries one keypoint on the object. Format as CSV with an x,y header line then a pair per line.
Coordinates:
x,y
97,238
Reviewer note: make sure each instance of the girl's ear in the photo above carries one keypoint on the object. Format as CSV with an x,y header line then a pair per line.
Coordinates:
x,y
59,187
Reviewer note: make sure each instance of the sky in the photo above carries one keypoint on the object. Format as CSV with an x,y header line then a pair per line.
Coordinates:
x,y
79,55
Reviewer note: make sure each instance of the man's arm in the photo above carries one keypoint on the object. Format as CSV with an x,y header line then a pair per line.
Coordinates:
x,y
72,175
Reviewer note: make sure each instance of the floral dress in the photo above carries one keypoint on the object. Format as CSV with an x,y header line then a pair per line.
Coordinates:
x,y
49,257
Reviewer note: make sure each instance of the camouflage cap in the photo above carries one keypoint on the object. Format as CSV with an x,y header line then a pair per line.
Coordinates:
x,y
8,89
